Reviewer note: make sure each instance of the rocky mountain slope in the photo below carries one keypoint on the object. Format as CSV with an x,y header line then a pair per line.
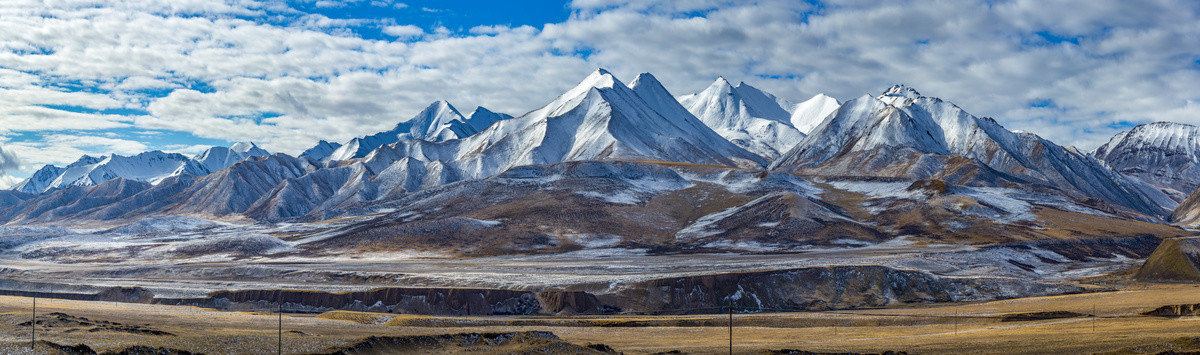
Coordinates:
x,y
746,116
1163,154
902,134
1188,212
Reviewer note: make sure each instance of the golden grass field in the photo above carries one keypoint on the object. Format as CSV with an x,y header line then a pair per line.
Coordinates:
x,y
935,329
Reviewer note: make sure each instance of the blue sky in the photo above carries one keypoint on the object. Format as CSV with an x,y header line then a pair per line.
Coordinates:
x,y
458,16
101,77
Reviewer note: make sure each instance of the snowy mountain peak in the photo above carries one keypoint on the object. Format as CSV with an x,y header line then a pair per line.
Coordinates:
x,y
652,91
1163,154
437,122
321,150
746,116
218,158
902,91
248,149
809,114
40,181
876,137
600,118
644,79
598,79
482,112
481,118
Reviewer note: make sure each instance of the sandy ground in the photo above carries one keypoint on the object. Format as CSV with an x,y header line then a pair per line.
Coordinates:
x,y
959,328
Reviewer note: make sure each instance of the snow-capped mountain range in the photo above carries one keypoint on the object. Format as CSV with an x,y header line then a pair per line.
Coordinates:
x,y
152,167
900,134
436,123
903,134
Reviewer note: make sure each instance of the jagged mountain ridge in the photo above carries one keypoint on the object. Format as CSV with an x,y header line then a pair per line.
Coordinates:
x,y
1163,154
599,119
152,167
602,119
903,134
438,122
321,150
745,116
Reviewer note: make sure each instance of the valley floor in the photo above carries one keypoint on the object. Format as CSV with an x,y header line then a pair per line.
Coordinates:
x,y
936,328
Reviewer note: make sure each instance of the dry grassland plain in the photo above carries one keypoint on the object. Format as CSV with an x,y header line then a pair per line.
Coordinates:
x,y
1119,327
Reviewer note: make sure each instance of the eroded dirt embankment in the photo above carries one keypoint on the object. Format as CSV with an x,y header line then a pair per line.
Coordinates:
x,y
432,301
814,288
1176,310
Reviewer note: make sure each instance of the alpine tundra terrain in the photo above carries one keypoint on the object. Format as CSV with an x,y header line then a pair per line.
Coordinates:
x,y
624,205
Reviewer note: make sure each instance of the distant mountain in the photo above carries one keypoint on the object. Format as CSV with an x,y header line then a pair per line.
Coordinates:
x,y
152,167
904,134
40,180
1163,154
746,116
481,118
321,150
217,158
809,114
436,123
87,171
923,148
600,119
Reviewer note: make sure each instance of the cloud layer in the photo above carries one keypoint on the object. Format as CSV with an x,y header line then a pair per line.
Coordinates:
x,y
1073,71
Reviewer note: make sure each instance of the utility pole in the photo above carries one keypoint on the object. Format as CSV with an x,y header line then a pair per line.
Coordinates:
x,y
731,326
835,324
33,325
955,322
1094,316
280,350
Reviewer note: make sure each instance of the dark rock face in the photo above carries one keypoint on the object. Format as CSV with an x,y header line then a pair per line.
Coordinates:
x,y
1085,249
814,288
109,294
508,343
436,301
46,347
818,288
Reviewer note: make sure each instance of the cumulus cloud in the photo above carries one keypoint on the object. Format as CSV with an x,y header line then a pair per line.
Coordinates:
x,y
267,72
404,31
8,161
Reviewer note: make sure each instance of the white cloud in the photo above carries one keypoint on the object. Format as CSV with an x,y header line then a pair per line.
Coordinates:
x,y
62,149
404,31
8,161
8,181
